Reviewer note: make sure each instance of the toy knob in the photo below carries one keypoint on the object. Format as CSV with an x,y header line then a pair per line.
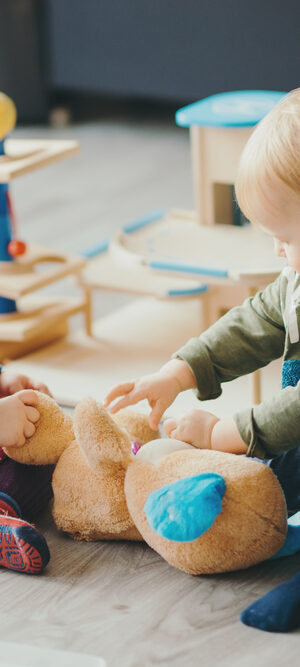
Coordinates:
x,y
8,115
16,248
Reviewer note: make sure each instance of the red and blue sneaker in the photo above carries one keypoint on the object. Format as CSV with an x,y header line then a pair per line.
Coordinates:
x,y
22,547
9,506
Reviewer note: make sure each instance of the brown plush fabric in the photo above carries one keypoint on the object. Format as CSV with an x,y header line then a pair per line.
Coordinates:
x,y
90,506
99,437
251,527
88,483
136,425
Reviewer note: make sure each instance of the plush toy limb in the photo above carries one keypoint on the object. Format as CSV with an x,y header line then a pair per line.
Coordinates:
x,y
278,610
100,439
184,510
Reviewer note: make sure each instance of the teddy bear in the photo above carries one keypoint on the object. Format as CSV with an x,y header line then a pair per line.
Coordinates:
x,y
202,511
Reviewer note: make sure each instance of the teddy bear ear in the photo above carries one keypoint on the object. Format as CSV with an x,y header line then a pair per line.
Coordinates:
x,y
100,439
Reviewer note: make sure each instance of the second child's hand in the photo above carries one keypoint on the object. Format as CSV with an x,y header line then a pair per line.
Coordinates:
x,y
159,389
160,392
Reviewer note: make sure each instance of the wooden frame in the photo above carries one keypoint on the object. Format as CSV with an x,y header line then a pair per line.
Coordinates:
x,y
24,155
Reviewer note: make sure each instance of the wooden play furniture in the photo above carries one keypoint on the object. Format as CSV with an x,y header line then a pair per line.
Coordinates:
x,y
27,322
170,256
230,257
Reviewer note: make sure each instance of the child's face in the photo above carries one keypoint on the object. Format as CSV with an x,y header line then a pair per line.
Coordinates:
x,y
281,220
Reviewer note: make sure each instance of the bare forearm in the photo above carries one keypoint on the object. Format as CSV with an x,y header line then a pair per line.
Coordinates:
x,y
179,369
226,438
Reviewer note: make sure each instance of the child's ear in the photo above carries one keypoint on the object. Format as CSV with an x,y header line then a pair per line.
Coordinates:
x,y
99,437
54,432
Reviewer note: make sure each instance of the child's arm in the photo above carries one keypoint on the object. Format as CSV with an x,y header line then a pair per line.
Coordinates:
x,y
160,389
205,431
225,437
18,416
248,337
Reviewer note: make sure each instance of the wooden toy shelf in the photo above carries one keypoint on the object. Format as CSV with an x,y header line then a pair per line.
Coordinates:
x,y
39,319
23,276
35,320
24,155
36,315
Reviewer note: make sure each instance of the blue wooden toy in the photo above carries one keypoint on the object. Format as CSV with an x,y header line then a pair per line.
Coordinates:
x,y
220,126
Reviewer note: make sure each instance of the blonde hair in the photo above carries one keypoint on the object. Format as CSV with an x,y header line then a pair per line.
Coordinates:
x,y
271,156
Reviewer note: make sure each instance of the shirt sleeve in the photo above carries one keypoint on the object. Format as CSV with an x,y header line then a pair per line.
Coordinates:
x,y
273,426
248,337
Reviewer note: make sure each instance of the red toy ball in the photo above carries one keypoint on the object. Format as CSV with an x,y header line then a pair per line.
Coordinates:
x,y
16,248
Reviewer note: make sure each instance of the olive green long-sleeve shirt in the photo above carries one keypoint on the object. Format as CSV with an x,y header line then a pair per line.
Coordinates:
x,y
248,337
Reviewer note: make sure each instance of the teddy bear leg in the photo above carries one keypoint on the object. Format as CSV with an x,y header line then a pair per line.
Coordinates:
x,y
278,610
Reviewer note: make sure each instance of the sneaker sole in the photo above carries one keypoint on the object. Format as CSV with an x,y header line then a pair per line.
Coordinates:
x,y
21,555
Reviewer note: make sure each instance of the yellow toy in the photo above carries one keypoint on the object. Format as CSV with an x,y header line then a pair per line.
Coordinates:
x,y
200,510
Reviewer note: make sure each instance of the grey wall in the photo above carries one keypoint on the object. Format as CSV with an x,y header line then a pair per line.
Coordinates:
x,y
174,49
21,60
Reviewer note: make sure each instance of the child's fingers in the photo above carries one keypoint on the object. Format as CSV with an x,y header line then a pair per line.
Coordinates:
x,y
177,434
156,415
27,396
123,403
117,391
169,426
32,414
29,429
40,386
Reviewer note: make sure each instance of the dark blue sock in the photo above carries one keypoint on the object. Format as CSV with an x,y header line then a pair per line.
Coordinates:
x,y
278,610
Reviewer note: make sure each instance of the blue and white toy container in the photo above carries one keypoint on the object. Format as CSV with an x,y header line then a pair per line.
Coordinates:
x,y
220,126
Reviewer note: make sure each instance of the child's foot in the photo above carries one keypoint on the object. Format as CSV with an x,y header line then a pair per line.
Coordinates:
x,y
278,610
9,506
22,547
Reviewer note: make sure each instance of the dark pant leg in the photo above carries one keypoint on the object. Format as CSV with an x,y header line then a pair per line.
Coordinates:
x,y
287,469
30,486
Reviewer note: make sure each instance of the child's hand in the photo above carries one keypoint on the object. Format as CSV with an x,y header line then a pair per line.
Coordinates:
x,y
18,417
194,427
159,390
10,383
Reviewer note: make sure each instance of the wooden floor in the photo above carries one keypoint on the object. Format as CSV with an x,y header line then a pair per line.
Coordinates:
x,y
122,601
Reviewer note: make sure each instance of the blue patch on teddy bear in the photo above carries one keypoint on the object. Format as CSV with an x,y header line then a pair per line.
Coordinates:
x,y
182,511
